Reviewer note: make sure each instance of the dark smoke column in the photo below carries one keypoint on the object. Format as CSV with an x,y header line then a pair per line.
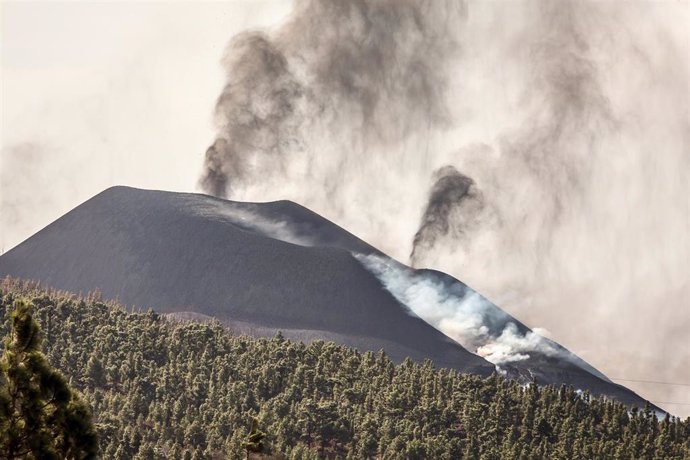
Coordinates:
x,y
349,79
255,113
454,203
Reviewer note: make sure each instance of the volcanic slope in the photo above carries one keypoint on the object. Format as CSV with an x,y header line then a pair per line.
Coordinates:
x,y
267,267
206,257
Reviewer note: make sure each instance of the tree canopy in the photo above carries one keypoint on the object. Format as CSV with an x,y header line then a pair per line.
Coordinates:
x,y
160,388
40,416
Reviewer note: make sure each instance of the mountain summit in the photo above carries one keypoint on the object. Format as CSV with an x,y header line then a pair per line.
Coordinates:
x,y
265,267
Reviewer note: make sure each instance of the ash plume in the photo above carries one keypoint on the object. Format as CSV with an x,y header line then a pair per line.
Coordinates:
x,y
583,108
372,70
256,112
454,203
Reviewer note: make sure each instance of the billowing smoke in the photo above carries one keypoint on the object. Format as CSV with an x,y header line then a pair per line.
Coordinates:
x,y
374,71
570,119
257,113
513,346
454,204
548,158
462,314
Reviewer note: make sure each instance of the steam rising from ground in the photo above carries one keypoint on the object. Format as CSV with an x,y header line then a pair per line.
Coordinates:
x,y
241,215
568,121
465,316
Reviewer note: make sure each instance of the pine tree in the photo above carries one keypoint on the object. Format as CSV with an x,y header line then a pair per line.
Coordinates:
x,y
255,440
95,372
40,416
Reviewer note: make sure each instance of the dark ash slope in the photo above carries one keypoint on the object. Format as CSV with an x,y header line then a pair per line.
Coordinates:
x,y
193,253
260,268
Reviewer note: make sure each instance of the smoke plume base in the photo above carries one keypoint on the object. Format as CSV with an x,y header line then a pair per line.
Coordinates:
x,y
465,316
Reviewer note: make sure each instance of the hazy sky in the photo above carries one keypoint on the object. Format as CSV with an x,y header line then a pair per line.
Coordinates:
x,y
103,93
96,94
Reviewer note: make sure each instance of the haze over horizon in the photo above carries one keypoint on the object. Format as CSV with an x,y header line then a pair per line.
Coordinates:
x,y
538,154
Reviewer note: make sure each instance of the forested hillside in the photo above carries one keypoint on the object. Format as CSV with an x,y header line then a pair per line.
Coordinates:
x,y
163,389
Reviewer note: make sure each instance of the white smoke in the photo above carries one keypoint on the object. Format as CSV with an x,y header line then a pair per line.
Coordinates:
x,y
512,346
241,215
469,319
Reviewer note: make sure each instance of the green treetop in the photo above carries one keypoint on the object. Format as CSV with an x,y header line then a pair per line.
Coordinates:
x,y
40,416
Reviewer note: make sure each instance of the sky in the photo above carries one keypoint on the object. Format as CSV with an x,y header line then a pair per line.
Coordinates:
x,y
97,93
104,93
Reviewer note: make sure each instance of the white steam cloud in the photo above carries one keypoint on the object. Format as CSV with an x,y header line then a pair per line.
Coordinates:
x,y
466,317
512,346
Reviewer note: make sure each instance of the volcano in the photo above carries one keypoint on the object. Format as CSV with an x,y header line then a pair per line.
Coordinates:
x,y
260,268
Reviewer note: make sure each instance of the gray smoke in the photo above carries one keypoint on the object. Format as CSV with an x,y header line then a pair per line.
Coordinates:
x,y
454,203
548,158
570,118
256,113
373,69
